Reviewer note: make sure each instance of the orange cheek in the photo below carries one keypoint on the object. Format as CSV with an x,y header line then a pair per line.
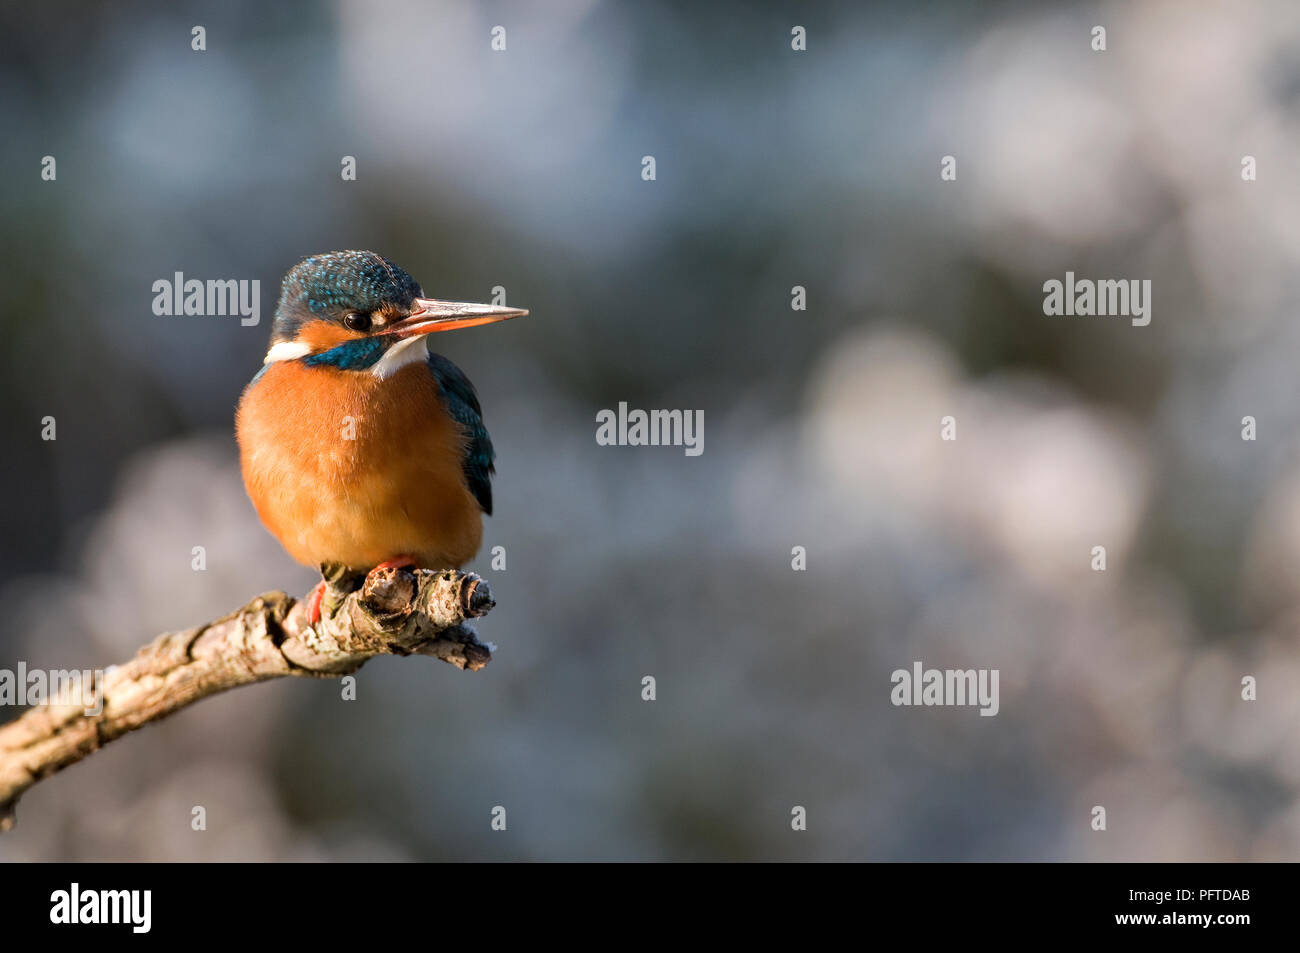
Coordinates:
x,y
323,335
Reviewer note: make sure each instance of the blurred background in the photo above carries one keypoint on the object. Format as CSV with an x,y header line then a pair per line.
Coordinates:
x,y
774,168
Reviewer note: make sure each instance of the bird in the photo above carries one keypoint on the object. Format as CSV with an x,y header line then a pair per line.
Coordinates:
x,y
360,447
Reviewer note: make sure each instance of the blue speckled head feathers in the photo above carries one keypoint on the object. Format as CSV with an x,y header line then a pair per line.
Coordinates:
x,y
332,285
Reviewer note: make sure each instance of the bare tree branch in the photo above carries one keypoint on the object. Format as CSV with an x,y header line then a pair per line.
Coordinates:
x,y
394,612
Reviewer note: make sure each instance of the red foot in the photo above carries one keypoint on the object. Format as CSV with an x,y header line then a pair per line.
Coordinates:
x,y
313,603
397,562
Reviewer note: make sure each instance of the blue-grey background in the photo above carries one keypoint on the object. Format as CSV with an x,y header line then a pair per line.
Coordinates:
x,y
775,168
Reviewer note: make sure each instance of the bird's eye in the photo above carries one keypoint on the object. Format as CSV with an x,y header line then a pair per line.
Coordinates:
x,y
357,321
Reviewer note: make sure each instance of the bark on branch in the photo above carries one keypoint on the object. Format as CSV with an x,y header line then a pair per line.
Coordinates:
x,y
393,612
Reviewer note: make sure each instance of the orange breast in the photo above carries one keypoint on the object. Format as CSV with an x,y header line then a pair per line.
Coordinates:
x,y
345,468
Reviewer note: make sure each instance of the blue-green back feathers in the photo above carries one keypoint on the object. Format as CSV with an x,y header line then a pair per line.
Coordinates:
x,y
463,405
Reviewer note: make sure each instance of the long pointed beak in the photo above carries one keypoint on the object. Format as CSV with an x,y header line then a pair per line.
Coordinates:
x,y
429,315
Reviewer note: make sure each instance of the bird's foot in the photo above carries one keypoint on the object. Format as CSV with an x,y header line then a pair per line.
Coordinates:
x,y
339,581
397,562
399,571
314,601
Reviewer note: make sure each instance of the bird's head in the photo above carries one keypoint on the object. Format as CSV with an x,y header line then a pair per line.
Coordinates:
x,y
356,310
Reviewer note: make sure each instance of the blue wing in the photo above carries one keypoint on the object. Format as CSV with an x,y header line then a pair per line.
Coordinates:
x,y
463,404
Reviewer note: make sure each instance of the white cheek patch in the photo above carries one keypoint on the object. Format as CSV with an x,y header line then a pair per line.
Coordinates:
x,y
286,351
401,354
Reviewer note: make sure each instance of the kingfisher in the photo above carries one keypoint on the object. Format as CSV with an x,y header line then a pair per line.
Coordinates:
x,y
359,446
